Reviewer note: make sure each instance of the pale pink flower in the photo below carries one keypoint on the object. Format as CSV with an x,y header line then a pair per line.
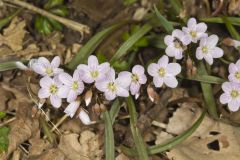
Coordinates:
x,y
94,71
231,95
50,88
234,70
43,67
136,78
73,86
194,31
164,72
113,87
72,108
176,44
207,49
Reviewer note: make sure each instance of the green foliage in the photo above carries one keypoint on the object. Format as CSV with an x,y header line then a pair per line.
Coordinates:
x,y
6,20
4,131
129,2
2,115
46,25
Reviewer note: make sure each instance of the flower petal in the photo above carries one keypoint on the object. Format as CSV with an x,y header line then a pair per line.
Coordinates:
x,y
55,101
191,22
102,86
138,69
157,81
170,81
43,93
72,108
80,87
199,54
122,92
168,40
87,78
66,79
55,62
233,105
153,69
227,86
63,91
208,58
44,62
173,68
178,33
212,40
110,95
225,98
46,82
38,69
142,79
76,75
217,52
134,88
104,67
201,27
124,79
232,68
163,61
72,96
93,62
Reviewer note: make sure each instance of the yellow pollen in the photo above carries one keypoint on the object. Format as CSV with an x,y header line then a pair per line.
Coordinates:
x,y
234,93
53,89
193,34
205,49
112,87
237,75
161,72
177,45
135,78
94,74
49,71
75,85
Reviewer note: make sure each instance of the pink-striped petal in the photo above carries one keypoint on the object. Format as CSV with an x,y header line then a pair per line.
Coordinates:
x,y
43,93
55,62
55,101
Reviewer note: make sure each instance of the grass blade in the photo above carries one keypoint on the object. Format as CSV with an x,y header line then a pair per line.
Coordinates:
x,y
234,33
139,143
114,110
109,138
232,20
122,51
205,78
208,93
169,144
91,45
5,21
165,23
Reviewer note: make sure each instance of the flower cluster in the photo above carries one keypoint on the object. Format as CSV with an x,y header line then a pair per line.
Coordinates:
x,y
231,95
57,85
179,40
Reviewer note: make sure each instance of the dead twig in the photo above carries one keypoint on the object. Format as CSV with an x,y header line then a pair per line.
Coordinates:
x,y
69,23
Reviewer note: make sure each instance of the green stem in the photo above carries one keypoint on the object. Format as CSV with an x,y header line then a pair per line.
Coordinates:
x,y
139,143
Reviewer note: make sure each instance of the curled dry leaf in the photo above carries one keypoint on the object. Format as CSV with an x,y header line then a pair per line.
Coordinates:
x,y
13,35
87,147
38,146
52,154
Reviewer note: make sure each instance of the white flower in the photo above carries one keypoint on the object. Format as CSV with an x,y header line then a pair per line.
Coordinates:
x,y
72,108
136,78
194,31
231,95
83,116
164,72
50,88
113,87
176,44
73,86
43,67
234,70
93,71
207,49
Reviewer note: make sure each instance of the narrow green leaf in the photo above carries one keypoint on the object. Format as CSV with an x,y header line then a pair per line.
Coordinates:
x,y
2,115
4,131
109,137
208,93
204,78
7,66
139,143
114,110
169,144
6,20
232,30
232,20
91,45
122,51
165,23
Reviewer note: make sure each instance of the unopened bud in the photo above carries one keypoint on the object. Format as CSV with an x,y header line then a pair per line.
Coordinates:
x,y
189,63
83,116
88,97
21,66
152,94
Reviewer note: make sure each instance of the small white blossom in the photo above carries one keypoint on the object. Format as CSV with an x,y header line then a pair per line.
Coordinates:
x,y
43,67
83,116
234,70
231,95
164,72
93,71
176,44
73,86
50,88
72,108
136,78
194,31
113,87
207,49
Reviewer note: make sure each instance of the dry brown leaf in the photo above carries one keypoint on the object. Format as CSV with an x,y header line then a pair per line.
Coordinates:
x,y
52,154
13,35
38,146
4,96
211,141
87,147
122,157
163,137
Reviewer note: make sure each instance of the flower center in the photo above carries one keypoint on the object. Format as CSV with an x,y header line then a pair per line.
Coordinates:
x,y
177,45
75,85
49,71
94,74
193,34
205,49
53,89
135,78
111,86
234,93
237,75
161,72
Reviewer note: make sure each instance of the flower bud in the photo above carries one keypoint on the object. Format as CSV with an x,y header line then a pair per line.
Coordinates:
x,y
84,117
88,97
